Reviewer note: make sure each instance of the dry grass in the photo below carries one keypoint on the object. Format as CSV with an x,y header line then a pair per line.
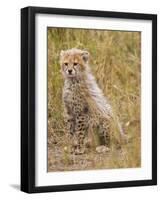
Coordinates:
x,y
115,62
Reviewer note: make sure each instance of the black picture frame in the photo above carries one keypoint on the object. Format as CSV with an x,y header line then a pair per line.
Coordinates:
x,y
28,98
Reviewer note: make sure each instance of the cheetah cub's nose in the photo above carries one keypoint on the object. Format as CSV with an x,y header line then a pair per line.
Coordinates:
x,y
70,71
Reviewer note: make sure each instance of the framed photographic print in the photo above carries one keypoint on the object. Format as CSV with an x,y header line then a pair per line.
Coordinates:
x,y
88,99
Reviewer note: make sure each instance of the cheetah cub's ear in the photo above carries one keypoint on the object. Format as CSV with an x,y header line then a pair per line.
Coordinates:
x,y
61,53
85,56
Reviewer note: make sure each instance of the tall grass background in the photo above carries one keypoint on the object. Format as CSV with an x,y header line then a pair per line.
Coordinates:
x,y
115,62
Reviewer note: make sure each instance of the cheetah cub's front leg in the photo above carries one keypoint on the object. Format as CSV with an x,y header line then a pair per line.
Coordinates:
x,y
81,126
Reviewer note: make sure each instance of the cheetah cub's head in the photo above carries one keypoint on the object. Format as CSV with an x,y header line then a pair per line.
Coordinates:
x,y
73,62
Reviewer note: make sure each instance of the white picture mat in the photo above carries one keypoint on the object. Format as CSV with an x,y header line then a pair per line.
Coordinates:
x,y
43,178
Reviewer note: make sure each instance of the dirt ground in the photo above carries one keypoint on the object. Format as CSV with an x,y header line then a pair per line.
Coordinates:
x,y
61,159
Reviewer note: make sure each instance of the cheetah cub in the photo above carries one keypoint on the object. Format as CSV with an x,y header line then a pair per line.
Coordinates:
x,y
86,108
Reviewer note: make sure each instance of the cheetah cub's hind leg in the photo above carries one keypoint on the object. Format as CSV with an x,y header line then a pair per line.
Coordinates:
x,y
104,136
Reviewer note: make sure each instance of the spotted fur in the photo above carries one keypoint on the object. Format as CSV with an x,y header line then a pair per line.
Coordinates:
x,y
86,108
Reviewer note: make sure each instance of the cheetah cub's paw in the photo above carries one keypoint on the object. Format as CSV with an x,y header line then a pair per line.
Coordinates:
x,y
78,151
102,149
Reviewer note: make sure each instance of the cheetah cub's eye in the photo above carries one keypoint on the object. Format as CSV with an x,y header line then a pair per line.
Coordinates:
x,y
75,64
66,64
